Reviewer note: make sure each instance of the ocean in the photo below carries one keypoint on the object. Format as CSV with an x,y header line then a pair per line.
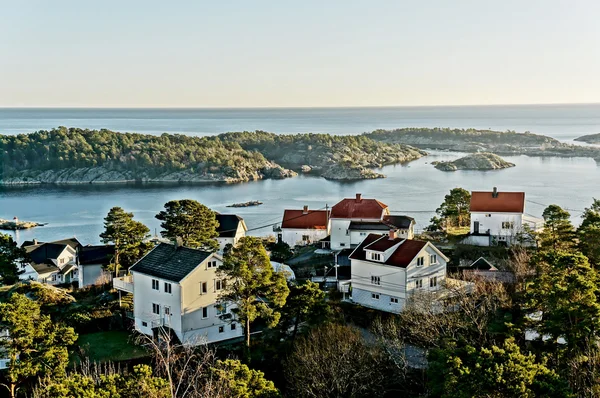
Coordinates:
x,y
415,189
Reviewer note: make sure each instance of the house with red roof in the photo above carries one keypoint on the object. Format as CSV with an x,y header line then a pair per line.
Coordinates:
x,y
302,227
499,218
386,270
354,210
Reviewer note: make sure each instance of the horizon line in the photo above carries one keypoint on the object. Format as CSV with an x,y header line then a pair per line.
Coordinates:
x,y
298,107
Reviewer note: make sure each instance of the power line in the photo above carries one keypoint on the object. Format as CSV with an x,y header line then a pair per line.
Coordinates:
x,y
546,205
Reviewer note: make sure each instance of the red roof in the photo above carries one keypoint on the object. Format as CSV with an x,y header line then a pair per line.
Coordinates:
x,y
298,219
401,257
504,202
359,208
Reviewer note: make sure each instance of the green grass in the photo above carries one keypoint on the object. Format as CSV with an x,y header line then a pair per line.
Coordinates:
x,y
110,346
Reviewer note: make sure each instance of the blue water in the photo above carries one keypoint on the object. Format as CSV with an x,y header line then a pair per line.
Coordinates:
x,y
563,122
415,189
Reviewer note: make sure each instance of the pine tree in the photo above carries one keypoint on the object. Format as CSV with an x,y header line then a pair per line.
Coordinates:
x,y
11,256
558,233
589,233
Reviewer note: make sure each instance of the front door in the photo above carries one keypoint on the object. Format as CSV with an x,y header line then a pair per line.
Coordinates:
x,y
476,227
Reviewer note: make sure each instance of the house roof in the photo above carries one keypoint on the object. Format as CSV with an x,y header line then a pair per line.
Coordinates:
x,y
44,268
358,208
169,262
72,242
44,252
298,219
482,264
388,222
68,268
401,222
96,254
504,202
402,255
228,225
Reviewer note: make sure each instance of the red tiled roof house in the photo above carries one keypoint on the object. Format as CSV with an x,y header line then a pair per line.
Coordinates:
x,y
499,218
302,227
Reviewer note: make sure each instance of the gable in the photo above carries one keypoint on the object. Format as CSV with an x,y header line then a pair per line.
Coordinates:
x,y
170,262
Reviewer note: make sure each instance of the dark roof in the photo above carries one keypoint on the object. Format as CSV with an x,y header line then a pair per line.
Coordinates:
x,y
358,208
44,268
298,219
228,225
505,202
481,264
401,222
73,242
342,258
67,268
43,252
402,255
96,254
168,262
383,244
368,226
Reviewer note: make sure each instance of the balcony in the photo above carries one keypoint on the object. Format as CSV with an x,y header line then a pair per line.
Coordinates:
x,y
124,283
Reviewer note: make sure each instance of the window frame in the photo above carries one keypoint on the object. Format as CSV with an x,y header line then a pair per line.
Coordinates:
x,y
156,309
394,300
155,284
375,296
170,289
205,310
203,287
420,261
433,281
375,280
433,259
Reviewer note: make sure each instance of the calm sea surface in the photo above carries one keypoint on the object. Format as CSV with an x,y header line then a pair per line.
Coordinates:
x,y
415,189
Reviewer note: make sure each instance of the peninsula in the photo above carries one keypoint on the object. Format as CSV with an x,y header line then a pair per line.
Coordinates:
x,y
80,156
589,139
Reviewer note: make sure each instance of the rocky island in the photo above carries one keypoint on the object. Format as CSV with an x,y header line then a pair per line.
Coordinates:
x,y
477,161
589,139
15,224
81,156
474,140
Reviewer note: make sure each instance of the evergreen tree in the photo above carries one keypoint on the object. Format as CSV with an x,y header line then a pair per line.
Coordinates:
x,y
500,372
11,256
127,235
558,233
36,346
191,221
589,233
306,302
243,382
252,284
454,211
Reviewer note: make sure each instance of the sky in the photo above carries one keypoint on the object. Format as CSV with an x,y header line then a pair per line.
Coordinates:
x,y
307,53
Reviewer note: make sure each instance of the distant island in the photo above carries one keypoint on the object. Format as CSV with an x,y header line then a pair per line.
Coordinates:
x,y
81,156
590,139
477,161
474,140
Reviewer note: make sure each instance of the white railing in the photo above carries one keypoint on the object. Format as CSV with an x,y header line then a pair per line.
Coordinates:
x,y
124,283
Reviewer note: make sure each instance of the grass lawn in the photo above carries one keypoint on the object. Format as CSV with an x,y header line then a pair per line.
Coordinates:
x,y
111,346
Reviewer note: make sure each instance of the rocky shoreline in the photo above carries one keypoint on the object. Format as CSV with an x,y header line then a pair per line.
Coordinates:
x,y
478,161
589,139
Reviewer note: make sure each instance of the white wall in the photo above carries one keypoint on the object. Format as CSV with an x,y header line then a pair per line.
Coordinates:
x,y
239,234
493,222
293,236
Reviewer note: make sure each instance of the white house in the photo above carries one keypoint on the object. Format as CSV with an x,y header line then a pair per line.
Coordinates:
x,y
231,229
52,263
403,226
178,288
386,270
92,262
302,227
498,218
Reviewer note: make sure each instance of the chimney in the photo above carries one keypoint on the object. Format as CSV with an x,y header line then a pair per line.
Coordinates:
x,y
392,234
495,193
35,241
178,242
358,197
305,210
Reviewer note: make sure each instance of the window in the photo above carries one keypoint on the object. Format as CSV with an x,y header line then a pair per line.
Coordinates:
x,y
204,312
420,261
508,225
342,244
218,285
145,324
167,310
375,296
221,309
211,264
154,284
419,283
203,287
156,309
433,259
53,277
305,238
376,256
394,300
233,326
221,329
376,280
433,281
167,288
61,261
362,234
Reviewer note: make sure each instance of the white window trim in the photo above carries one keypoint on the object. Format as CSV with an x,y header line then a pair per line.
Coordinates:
x,y
375,296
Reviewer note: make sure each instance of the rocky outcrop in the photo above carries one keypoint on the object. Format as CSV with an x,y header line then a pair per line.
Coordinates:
x,y
589,139
101,175
339,172
477,161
